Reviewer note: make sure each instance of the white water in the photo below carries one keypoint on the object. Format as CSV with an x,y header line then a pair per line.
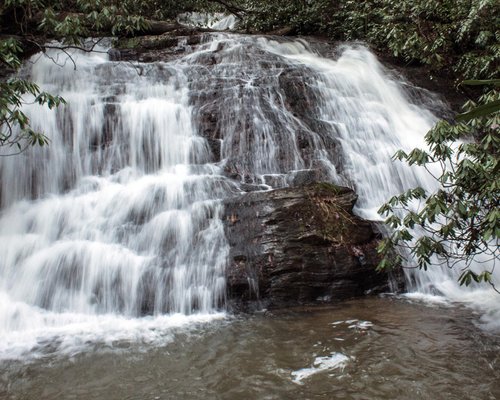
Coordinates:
x,y
118,222
371,117
216,21
384,121
321,364
125,219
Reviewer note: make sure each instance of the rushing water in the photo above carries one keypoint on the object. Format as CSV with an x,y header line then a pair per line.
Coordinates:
x,y
112,235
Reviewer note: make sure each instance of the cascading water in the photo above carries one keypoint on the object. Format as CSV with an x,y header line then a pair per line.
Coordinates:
x,y
217,21
373,118
120,217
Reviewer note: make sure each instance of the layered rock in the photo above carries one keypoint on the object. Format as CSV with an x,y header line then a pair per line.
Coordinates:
x,y
301,245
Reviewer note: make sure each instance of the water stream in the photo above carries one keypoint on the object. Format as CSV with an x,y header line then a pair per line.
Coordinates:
x,y
112,235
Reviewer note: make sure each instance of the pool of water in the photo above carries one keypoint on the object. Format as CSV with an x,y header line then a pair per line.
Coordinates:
x,y
373,348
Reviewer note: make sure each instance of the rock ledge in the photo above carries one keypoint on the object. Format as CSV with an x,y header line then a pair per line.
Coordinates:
x,y
300,245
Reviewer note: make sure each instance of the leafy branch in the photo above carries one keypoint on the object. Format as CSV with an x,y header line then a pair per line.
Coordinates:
x,y
32,23
459,224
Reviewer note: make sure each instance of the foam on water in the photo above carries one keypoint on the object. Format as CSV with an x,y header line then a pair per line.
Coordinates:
x,y
68,334
429,299
321,364
354,324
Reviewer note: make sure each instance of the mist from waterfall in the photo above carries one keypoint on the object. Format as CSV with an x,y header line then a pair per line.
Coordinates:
x,y
114,231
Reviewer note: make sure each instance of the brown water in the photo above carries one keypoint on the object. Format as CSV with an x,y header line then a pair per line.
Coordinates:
x,y
390,348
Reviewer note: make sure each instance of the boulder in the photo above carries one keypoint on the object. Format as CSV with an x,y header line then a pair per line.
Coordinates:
x,y
300,245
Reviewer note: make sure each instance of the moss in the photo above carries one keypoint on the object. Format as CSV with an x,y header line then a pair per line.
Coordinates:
x,y
327,186
127,43
160,42
147,42
326,189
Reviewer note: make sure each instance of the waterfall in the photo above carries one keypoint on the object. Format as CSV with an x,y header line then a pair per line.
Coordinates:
x,y
114,230
373,117
120,215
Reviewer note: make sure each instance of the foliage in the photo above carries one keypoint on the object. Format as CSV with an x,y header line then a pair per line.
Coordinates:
x,y
302,17
15,130
462,34
31,23
70,20
460,222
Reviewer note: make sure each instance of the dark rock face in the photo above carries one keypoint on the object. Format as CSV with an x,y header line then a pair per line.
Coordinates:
x,y
300,246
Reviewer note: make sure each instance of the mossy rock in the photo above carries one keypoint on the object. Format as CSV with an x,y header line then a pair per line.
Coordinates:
x,y
127,43
328,188
147,42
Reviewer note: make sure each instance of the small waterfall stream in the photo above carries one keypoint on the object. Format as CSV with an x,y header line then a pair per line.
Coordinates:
x,y
114,230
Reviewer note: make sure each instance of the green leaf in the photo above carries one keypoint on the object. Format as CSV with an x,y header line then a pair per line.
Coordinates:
x,y
480,111
481,82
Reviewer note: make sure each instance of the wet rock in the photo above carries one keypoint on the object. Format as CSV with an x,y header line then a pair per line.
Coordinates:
x,y
248,187
305,177
193,40
300,246
215,146
275,180
232,107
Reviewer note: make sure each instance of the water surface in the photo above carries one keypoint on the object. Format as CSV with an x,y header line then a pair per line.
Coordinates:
x,y
374,348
